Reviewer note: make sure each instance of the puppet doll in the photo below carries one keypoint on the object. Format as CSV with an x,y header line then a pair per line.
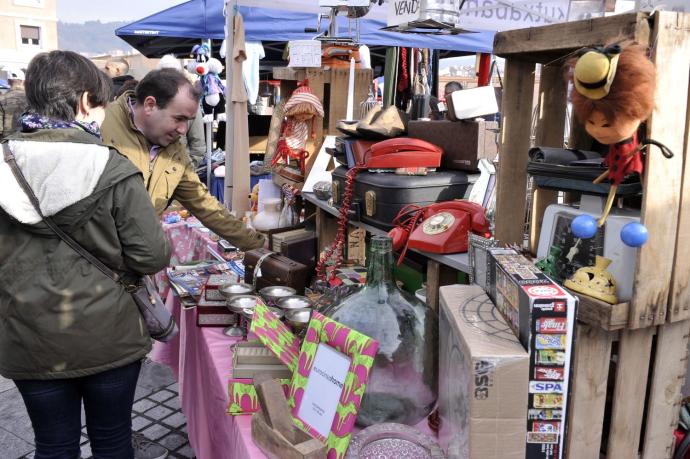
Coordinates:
x,y
613,94
208,68
302,111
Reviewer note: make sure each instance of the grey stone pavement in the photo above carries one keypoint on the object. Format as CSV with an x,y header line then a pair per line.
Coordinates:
x,y
156,414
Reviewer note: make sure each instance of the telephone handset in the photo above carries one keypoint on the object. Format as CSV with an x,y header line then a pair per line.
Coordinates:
x,y
402,152
443,229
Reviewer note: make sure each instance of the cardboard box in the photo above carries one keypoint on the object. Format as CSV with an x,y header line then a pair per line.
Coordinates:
x,y
542,314
483,378
252,358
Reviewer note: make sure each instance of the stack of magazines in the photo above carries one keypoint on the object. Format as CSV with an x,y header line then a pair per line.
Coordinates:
x,y
188,280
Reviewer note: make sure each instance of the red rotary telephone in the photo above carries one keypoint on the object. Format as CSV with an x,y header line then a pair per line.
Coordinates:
x,y
443,229
402,152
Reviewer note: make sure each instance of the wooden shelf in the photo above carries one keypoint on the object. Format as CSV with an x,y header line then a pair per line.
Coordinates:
x,y
457,261
600,314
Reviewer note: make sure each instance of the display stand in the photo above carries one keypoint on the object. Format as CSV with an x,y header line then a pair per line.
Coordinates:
x,y
441,269
661,303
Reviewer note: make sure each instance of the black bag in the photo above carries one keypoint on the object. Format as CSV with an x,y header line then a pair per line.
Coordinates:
x,y
159,322
574,170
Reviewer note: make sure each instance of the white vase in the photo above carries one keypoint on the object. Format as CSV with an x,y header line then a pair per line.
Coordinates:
x,y
269,218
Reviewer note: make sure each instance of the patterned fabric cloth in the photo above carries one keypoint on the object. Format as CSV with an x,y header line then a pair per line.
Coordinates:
x,y
12,105
33,122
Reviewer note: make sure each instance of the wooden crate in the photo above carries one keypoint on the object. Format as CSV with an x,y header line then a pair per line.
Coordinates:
x,y
661,281
630,358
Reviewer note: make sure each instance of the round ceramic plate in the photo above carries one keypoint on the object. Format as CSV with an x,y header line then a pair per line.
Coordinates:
x,y
393,441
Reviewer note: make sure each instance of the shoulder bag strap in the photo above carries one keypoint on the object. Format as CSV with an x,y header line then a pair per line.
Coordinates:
x,y
9,159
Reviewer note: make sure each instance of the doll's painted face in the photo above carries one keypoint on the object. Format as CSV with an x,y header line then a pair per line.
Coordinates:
x,y
609,132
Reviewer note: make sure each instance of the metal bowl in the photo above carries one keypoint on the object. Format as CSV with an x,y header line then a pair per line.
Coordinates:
x,y
278,312
298,318
275,292
238,304
294,302
235,288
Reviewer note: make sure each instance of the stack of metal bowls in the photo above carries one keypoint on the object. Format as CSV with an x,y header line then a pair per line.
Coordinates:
x,y
231,292
297,311
274,293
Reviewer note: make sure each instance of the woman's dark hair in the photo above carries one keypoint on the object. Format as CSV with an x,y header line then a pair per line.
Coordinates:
x,y
163,85
55,82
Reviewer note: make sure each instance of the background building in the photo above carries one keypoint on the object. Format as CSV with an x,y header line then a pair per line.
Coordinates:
x,y
27,27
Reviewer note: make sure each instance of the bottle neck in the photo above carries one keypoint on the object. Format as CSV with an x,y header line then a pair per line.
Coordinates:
x,y
380,268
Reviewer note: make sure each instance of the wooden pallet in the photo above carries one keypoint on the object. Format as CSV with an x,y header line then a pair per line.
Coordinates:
x,y
630,358
657,291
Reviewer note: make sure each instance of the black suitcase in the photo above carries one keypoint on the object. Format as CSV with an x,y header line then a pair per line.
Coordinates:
x,y
378,197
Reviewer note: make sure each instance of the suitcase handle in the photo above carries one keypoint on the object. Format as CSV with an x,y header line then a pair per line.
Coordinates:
x,y
257,269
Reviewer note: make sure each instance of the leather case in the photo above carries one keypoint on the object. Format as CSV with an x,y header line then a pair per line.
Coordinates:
x,y
464,143
378,197
276,270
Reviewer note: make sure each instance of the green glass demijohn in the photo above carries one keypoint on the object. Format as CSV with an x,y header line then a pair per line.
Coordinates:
x,y
402,385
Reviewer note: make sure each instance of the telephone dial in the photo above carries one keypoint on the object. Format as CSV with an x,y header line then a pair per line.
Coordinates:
x,y
443,229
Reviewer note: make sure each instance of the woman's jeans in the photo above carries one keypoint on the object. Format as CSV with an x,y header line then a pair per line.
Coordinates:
x,y
54,407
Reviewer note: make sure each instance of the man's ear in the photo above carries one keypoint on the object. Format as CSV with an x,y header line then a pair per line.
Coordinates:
x,y
150,104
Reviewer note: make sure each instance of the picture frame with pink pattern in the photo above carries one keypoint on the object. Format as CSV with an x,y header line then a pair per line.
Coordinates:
x,y
350,344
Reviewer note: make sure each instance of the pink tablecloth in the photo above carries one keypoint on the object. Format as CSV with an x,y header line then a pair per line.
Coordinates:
x,y
201,358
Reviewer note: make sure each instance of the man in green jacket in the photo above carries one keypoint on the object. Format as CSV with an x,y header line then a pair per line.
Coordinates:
x,y
146,126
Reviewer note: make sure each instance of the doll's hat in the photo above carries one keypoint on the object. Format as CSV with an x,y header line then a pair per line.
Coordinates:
x,y
303,100
595,71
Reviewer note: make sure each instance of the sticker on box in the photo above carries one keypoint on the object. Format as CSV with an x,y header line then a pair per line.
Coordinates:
x,y
546,426
542,437
545,387
550,341
548,400
550,357
552,306
543,291
551,325
549,373
544,415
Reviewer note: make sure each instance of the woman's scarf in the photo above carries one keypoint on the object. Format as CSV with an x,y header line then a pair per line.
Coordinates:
x,y
33,121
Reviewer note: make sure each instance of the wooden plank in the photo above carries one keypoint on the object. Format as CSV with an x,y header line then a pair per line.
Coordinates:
x,y
356,245
634,349
679,306
512,169
600,314
550,127
337,108
670,365
662,182
437,275
295,74
566,37
326,228
588,395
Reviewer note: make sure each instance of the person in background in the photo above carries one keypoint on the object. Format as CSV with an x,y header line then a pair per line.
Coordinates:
x,y
118,69
13,102
438,110
195,140
146,126
69,334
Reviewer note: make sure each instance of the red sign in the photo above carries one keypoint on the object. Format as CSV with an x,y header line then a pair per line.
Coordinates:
x,y
552,325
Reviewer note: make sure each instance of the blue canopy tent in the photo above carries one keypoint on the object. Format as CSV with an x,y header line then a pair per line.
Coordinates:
x,y
176,29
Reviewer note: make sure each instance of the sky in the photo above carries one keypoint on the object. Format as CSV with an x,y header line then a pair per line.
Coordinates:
x,y
107,10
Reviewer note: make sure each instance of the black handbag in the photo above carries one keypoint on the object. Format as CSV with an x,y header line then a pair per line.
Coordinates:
x,y
159,322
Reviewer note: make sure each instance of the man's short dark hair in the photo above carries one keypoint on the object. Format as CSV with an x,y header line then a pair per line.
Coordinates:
x,y
452,86
55,82
163,85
